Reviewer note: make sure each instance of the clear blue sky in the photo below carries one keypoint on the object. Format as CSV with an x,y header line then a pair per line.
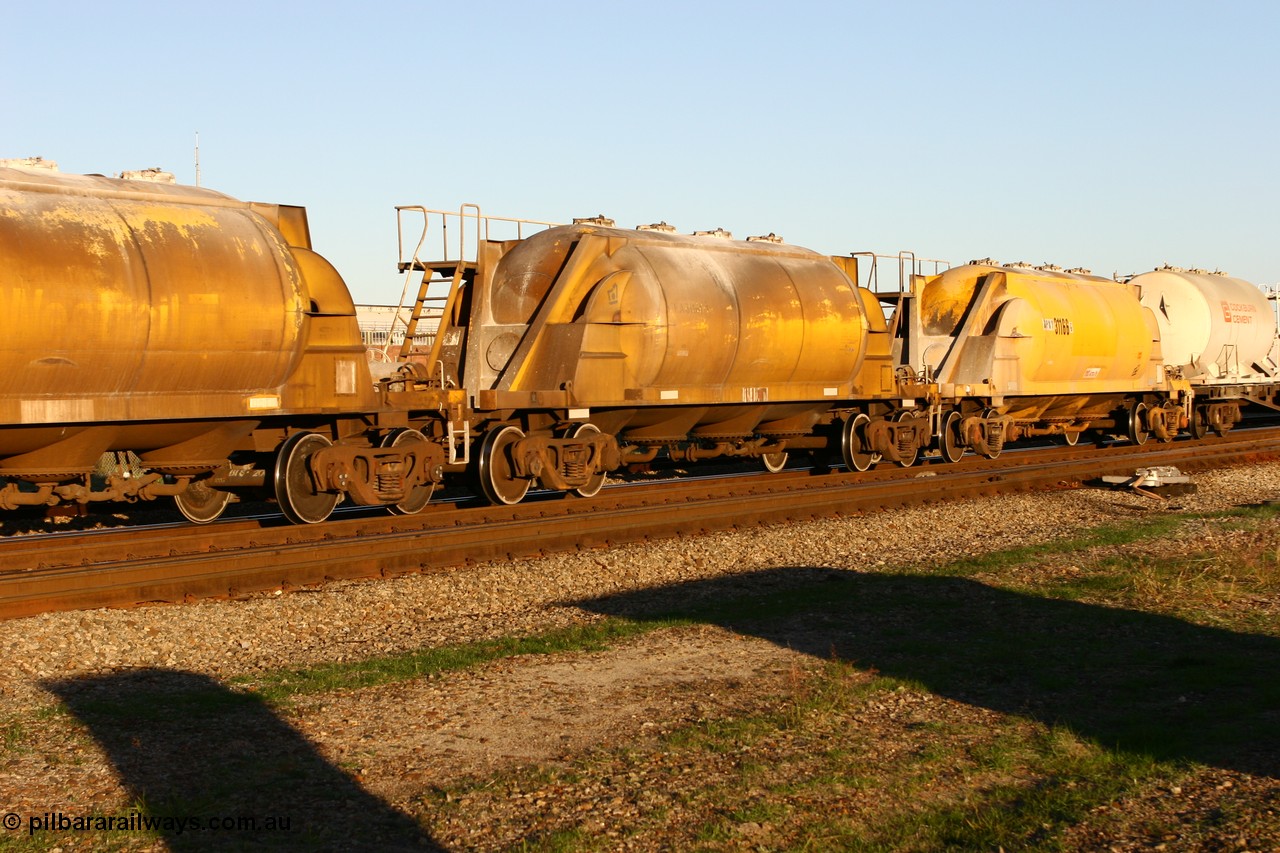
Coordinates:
x,y
1113,135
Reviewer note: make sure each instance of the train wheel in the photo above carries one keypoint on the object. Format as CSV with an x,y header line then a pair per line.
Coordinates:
x,y
201,504
1199,423
1219,424
596,482
774,462
907,458
1138,432
853,444
994,439
418,497
949,439
497,473
295,490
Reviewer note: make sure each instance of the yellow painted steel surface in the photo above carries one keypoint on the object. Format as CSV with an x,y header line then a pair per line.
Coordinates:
x,y
649,316
122,292
1028,331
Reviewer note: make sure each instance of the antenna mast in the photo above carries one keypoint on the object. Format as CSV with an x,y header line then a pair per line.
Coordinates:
x,y
197,158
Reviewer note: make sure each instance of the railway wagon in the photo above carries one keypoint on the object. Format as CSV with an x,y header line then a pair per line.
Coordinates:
x,y
199,332
586,347
1018,351
1219,333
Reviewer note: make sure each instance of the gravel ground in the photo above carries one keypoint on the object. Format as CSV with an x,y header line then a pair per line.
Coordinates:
x,y
355,620
397,740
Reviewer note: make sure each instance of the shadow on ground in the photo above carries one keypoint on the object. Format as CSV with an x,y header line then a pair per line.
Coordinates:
x,y
1128,680
187,747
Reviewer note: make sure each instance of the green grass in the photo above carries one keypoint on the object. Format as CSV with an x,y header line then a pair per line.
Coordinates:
x,y
371,672
1155,527
561,841
1138,665
1065,779
1101,701
1067,776
1109,580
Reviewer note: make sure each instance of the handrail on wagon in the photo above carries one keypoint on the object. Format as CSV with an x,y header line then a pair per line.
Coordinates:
x,y
468,239
444,272
909,266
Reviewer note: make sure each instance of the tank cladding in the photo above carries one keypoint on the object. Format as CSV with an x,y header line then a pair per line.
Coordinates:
x,y
1070,331
129,301
1047,351
165,320
632,317
1219,334
1212,326
699,345
112,289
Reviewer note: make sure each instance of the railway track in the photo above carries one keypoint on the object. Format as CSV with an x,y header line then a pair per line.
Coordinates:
x,y
176,563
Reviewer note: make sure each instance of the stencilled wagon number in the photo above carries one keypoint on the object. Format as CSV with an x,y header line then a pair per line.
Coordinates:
x,y
1058,325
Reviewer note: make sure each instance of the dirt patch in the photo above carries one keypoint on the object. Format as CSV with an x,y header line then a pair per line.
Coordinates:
x,y
536,709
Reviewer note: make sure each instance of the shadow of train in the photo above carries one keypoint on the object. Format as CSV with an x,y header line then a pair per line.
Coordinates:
x,y
186,746
189,748
1126,679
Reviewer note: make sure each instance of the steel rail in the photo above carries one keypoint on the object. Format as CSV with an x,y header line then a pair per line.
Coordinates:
x,y
174,564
